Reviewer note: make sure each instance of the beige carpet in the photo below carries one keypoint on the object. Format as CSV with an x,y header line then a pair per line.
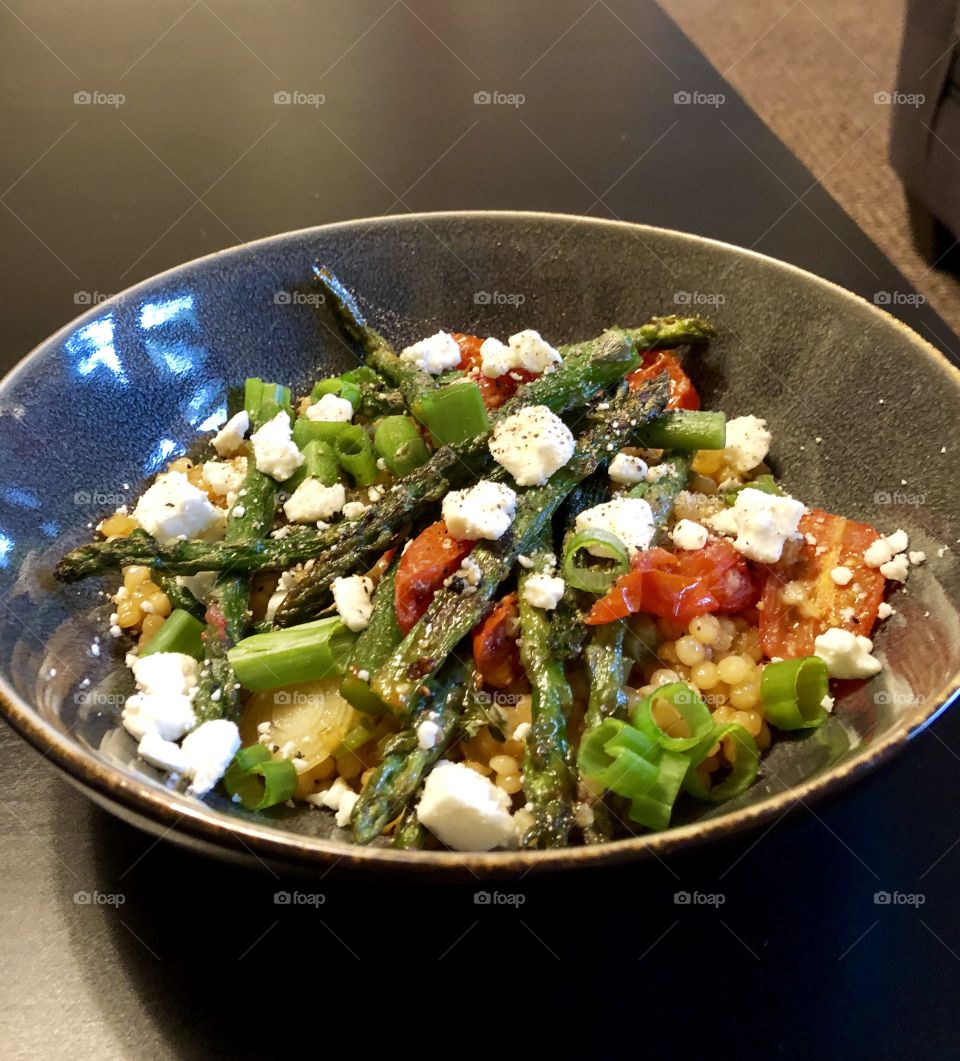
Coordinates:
x,y
810,69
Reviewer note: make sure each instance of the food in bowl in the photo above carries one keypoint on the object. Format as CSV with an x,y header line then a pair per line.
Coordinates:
x,y
486,594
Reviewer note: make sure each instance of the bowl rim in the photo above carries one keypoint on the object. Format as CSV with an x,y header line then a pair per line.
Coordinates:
x,y
169,812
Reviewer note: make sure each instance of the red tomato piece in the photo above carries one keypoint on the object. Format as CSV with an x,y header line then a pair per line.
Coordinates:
x,y
683,394
656,585
724,572
493,391
495,649
433,556
800,599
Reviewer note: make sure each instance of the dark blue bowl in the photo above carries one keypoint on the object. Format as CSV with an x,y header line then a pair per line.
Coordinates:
x,y
103,404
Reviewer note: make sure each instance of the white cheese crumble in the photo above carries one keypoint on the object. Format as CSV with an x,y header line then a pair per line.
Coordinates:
x,y
163,754
841,575
532,444
543,591
339,797
883,550
330,408
312,501
285,583
482,511
173,508
354,509
846,654
163,704
761,523
352,596
522,731
628,518
464,810
230,437
626,470
917,556
207,753
827,703
747,443
688,534
428,732
435,354
527,350
225,478
274,449
896,569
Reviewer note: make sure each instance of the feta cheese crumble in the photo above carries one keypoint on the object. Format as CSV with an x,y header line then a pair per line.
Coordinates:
x,y
883,550
846,654
230,437
543,591
428,732
688,534
352,596
207,752
527,350
435,354
274,449
173,508
841,575
761,523
354,509
163,754
885,610
340,798
626,470
532,444
312,501
628,518
482,511
163,704
330,408
748,442
464,810
225,478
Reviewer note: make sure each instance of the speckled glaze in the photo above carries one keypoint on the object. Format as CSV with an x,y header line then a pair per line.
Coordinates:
x,y
100,406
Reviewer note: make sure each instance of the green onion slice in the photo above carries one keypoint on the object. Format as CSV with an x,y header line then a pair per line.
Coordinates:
x,y
792,691
179,633
398,441
654,808
454,413
259,780
297,654
343,388
618,757
355,453
686,700
743,769
594,580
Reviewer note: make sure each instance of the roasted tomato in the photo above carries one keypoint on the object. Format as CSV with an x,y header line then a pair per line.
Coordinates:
x,y
495,649
680,586
493,391
800,598
433,556
683,394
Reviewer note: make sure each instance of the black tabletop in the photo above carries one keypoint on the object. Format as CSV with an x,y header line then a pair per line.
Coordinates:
x,y
138,136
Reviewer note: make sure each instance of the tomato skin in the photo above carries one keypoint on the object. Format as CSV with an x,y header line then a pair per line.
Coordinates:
x,y
724,572
493,391
789,629
683,394
434,555
495,650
